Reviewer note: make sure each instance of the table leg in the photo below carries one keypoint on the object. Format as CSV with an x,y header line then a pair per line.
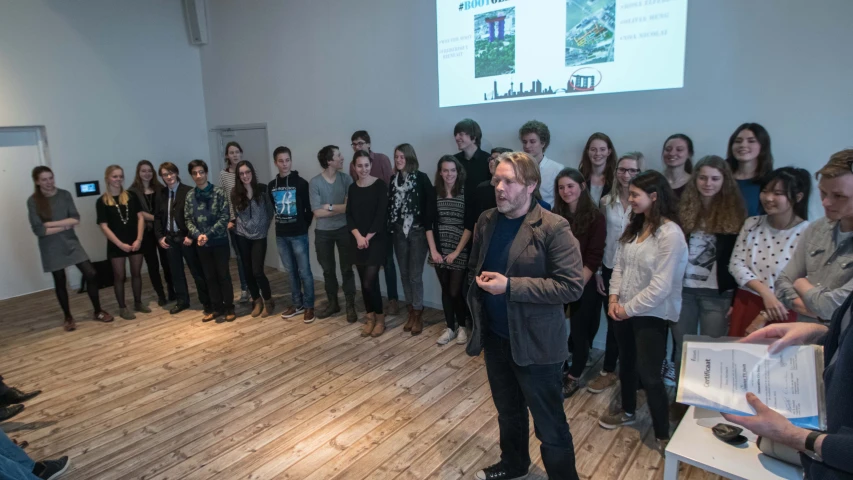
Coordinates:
x,y
670,467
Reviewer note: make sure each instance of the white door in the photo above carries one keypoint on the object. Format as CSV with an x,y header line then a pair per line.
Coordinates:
x,y
20,152
253,141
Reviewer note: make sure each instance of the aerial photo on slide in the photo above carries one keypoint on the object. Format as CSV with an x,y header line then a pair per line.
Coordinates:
x,y
494,43
590,30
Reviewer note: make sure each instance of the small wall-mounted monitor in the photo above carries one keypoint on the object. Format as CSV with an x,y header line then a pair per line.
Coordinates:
x,y
86,189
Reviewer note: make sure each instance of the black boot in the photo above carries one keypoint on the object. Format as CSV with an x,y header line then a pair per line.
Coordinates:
x,y
351,315
13,396
330,309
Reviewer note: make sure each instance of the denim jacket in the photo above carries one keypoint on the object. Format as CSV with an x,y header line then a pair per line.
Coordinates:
x,y
827,264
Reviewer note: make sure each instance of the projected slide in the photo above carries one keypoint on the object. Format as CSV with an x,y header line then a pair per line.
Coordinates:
x,y
503,50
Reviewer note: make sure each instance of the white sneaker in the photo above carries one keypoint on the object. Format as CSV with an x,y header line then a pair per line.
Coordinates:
x,y
446,337
244,297
669,373
461,336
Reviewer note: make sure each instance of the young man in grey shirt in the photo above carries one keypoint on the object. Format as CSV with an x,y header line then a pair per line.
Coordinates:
x,y
328,194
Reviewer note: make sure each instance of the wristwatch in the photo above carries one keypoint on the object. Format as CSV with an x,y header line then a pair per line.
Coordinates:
x,y
330,207
810,451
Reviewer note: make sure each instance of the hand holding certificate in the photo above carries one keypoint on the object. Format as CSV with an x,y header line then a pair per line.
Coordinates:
x,y
718,376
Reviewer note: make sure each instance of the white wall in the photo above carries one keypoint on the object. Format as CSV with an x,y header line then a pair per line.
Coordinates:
x,y
113,81
317,71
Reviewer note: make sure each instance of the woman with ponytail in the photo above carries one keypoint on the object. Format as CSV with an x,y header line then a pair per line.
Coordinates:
x,y
53,218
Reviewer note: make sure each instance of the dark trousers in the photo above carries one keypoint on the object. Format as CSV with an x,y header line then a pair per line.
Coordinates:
x,y
539,388
156,257
452,301
217,273
585,319
611,349
325,242
252,254
391,273
178,253
642,346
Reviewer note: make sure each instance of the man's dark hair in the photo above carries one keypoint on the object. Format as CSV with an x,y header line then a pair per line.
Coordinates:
x,y
540,129
326,154
279,150
360,135
197,163
500,150
169,167
471,128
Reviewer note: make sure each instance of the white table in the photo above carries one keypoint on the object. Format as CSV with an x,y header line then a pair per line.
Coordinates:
x,y
696,445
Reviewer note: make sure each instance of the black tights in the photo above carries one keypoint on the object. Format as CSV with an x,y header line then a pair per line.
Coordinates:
x,y
369,276
119,275
452,300
91,278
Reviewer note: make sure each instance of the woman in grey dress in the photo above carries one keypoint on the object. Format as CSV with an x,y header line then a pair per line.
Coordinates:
x,y
53,218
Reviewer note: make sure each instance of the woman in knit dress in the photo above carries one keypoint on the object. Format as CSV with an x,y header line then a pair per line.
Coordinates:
x,y
367,203
448,244
53,218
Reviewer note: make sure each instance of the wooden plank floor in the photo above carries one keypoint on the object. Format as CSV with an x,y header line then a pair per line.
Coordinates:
x,y
170,397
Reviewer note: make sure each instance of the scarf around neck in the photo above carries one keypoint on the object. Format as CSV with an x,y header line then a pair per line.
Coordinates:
x,y
405,200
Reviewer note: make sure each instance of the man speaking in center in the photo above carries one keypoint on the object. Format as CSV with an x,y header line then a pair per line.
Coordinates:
x,y
525,265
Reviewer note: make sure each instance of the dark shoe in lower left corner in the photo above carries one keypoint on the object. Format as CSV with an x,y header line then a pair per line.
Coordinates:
x,y
10,411
13,396
51,469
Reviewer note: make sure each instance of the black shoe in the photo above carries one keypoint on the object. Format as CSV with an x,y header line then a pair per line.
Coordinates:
x,y
13,396
178,308
570,386
499,472
161,300
50,469
8,412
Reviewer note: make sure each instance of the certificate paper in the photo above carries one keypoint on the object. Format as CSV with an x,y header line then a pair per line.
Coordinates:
x,y
718,376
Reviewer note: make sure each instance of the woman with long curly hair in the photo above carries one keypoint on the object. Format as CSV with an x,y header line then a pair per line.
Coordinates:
x,y
598,163
712,212
574,203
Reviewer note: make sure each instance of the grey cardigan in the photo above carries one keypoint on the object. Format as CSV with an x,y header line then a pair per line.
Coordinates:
x,y
828,266
544,271
62,249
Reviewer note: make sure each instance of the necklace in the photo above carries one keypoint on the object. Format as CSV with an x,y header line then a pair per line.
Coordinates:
x,y
124,218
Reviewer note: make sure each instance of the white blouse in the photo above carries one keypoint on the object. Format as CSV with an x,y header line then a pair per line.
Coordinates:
x,y
761,251
648,276
617,218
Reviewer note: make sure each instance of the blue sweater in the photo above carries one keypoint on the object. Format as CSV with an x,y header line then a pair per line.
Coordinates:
x,y
837,447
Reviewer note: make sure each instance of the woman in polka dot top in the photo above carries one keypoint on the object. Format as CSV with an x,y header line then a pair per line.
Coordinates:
x,y
763,248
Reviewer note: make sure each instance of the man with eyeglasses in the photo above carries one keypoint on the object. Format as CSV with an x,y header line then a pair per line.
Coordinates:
x,y
170,228
380,168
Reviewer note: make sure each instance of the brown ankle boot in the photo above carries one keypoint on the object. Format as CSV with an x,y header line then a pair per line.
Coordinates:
x,y
269,306
369,322
258,306
417,321
379,328
408,326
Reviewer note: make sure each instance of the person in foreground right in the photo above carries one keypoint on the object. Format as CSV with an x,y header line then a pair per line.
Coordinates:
x,y
825,455
527,265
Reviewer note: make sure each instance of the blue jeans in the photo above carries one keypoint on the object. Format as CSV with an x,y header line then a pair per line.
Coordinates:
x,y
14,463
233,236
539,388
294,256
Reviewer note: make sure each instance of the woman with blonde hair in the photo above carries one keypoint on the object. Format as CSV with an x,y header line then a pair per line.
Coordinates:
x,y
119,215
712,212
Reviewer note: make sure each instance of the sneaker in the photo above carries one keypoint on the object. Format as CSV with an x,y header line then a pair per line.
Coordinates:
x,y
50,469
446,337
616,420
308,317
602,382
244,297
292,311
570,386
461,336
661,445
668,372
499,472
103,316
